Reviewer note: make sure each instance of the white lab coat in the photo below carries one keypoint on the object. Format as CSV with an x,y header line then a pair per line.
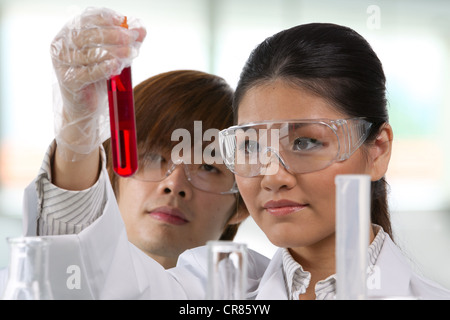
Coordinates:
x,y
108,266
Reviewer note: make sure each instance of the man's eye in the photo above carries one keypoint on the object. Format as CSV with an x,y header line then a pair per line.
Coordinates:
x,y
209,168
250,146
151,159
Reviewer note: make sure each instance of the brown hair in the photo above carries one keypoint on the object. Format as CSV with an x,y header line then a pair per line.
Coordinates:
x,y
174,100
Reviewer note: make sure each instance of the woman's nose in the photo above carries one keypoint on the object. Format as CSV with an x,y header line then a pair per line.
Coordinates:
x,y
176,183
276,177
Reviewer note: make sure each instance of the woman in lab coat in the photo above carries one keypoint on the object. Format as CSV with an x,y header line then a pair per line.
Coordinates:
x,y
310,105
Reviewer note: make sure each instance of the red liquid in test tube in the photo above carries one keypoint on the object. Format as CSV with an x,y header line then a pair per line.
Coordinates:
x,y
122,122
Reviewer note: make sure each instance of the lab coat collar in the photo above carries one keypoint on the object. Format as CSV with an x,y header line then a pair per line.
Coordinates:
x,y
390,277
272,285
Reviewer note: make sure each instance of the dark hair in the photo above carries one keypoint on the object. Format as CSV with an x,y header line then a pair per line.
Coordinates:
x,y
336,63
174,100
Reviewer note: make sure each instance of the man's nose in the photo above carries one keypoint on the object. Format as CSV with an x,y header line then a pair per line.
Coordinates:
x,y
177,182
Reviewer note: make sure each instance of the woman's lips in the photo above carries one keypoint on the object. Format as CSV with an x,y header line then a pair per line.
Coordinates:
x,y
283,207
169,215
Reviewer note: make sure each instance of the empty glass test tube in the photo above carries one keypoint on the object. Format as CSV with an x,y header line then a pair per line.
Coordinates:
x,y
352,235
227,270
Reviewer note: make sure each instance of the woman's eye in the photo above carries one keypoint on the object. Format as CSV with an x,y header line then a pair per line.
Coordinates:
x,y
306,144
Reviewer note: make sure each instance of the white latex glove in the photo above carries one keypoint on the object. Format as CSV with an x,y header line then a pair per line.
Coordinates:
x,y
85,54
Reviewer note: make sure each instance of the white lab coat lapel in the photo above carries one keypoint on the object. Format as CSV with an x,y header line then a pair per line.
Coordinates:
x,y
67,277
398,279
391,275
119,269
272,285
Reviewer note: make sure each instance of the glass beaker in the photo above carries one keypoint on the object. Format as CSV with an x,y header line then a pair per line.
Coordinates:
x,y
227,270
28,269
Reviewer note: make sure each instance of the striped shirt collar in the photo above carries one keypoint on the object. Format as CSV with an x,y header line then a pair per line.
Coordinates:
x,y
297,280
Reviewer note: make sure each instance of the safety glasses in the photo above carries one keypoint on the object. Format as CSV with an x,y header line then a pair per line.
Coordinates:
x,y
213,178
301,146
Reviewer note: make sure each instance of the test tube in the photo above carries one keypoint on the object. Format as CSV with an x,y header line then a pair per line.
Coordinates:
x,y
352,235
122,122
227,270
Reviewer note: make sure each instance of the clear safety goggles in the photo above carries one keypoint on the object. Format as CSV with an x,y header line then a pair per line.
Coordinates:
x,y
301,146
213,178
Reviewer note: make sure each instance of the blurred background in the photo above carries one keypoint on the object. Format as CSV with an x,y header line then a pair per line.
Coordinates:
x,y
412,39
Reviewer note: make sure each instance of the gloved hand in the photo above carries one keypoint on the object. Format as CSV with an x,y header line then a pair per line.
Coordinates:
x,y
85,53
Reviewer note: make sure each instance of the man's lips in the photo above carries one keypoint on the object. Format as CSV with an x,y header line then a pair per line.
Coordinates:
x,y
168,214
283,207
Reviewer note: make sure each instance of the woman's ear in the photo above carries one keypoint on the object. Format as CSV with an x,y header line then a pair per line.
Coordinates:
x,y
241,212
380,152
